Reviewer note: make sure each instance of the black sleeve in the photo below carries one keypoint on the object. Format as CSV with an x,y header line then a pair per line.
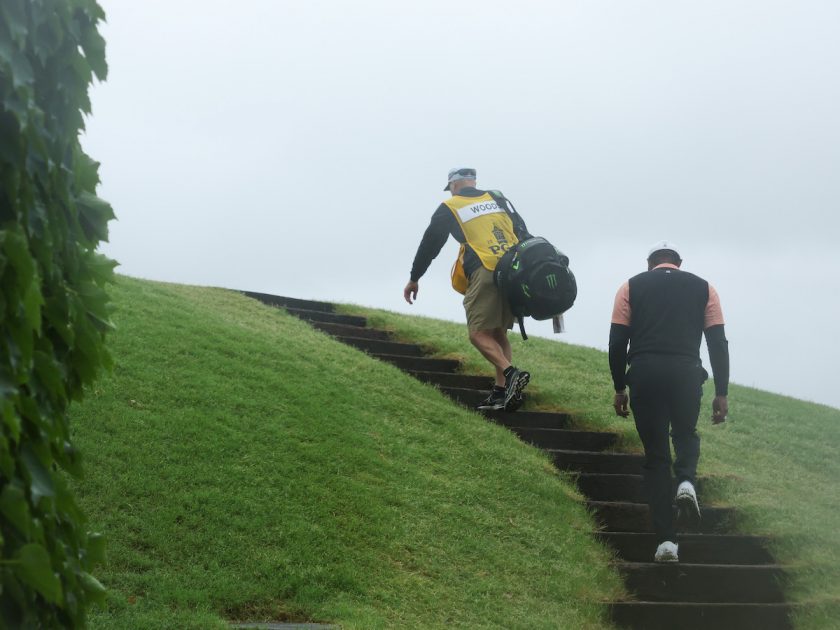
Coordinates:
x,y
433,241
619,336
719,358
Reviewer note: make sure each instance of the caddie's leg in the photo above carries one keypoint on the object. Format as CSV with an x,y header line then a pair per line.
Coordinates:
x,y
486,342
504,343
483,307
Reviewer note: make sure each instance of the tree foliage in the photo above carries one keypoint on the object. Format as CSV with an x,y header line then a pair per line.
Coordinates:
x,y
53,304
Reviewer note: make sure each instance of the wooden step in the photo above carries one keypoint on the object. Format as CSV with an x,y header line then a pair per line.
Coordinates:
x,y
529,419
612,487
706,616
467,397
616,516
287,302
621,487
447,379
566,439
342,330
331,318
420,363
694,548
707,583
378,346
587,461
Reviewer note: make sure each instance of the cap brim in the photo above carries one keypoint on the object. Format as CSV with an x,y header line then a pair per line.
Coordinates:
x,y
448,185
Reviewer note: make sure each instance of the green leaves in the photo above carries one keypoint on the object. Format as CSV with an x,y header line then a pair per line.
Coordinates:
x,y
53,304
15,508
16,65
94,46
36,570
94,213
40,480
13,14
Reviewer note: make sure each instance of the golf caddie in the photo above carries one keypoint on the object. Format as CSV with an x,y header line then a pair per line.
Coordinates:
x,y
663,313
486,225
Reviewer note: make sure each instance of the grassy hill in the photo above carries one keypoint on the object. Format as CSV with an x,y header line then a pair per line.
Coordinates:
x,y
246,467
777,458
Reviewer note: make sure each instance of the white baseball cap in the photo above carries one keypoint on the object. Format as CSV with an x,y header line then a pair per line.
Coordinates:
x,y
664,246
457,174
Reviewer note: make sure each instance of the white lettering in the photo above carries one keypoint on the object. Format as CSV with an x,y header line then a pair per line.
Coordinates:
x,y
480,209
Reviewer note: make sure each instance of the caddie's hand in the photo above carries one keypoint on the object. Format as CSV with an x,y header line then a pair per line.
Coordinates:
x,y
621,404
720,408
410,291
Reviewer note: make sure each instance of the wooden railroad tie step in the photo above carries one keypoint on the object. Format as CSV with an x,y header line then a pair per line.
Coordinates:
x,y
617,516
420,363
448,379
379,346
700,616
530,419
343,330
295,303
331,318
694,548
619,486
566,438
704,583
587,461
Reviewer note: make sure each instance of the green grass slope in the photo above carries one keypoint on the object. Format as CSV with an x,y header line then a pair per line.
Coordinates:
x,y
777,459
245,467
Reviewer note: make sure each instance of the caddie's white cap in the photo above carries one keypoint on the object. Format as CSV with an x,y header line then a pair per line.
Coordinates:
x,y
664,246
457,174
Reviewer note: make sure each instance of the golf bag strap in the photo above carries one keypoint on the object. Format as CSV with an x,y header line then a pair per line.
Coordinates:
x,y
521,321
503,201
507,205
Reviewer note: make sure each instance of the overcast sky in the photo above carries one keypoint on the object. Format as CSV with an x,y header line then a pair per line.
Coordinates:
x,y
300,148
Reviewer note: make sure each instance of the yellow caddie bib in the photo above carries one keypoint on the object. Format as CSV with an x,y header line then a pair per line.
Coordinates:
x,y
487,228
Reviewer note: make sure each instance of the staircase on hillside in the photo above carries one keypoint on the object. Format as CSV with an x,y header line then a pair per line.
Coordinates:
x,y
723,581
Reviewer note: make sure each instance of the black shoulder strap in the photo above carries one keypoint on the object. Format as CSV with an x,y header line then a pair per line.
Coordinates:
x,y
503,201
515,217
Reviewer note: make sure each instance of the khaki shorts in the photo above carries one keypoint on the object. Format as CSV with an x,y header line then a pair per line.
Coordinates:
x,y
486,308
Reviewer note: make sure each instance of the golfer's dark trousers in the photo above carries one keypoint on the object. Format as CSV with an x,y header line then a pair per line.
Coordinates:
x,y
665,394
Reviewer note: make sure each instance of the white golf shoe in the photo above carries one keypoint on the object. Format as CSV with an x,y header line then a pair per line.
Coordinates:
x,y
667,552
687,506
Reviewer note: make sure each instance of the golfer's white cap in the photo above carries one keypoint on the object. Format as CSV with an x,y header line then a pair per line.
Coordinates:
x,y
664,246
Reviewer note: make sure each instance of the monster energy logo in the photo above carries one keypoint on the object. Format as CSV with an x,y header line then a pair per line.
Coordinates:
x,y
525,290
552,281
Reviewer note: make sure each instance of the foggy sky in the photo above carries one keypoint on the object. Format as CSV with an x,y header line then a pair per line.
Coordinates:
x,y
300,148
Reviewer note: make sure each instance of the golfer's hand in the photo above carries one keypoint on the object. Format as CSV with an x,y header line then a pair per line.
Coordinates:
x,y
621,404
410,291
720,408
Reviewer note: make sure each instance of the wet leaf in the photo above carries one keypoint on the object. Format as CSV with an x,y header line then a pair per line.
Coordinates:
x,y
15,508
41,484
36,570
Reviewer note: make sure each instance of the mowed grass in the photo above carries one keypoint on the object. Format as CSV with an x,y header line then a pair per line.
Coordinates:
x,y
777,459
245,467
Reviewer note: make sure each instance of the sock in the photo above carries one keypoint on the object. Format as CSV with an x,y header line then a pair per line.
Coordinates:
x,y
498,388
